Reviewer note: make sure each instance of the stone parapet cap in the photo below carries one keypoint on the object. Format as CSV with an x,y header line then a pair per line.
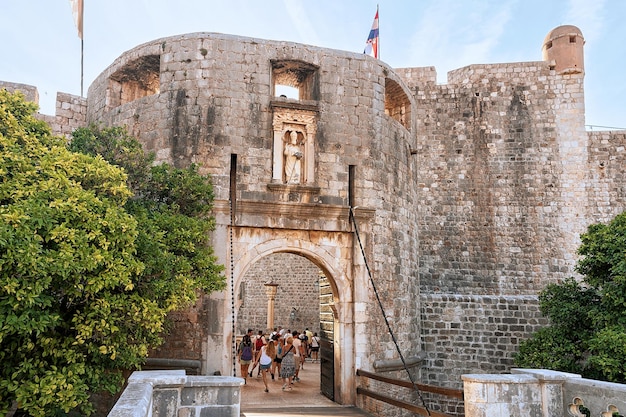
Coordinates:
x,y
213,381
166,377
546,374
499,378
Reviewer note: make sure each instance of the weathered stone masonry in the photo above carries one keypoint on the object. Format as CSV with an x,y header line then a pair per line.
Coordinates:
x,y
494,172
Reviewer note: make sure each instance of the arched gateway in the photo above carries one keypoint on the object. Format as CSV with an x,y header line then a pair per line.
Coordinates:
x,y
285,172
332,253
330,245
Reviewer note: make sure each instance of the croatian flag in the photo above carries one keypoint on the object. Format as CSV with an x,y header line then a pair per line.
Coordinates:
x,y
371,46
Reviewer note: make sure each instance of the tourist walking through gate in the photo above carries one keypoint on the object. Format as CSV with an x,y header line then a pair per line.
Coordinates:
x,y
245,354
315,347
268,353
259,342
278,343
297,345
288,364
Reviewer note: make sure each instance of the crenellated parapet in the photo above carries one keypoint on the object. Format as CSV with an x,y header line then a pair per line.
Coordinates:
x,y
71,110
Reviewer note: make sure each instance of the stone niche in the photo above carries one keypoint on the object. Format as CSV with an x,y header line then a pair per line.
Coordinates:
x,y
293,165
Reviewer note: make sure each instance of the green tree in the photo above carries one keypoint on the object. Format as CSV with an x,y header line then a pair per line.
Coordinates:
x,y
172,207
67,267
88,272
587,330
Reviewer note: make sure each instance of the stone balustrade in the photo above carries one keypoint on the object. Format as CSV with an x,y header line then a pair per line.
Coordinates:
x,y
172,393
541,393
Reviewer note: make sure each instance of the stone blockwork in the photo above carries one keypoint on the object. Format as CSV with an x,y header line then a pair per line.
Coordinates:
x,y
71,111
474,332
493,171
607,176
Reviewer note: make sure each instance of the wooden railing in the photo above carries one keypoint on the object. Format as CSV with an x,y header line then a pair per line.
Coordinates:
x,y
447,392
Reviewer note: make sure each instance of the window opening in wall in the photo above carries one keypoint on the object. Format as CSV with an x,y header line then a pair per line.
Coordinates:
x,y
549,45
397,103
572,39
294,79
136,79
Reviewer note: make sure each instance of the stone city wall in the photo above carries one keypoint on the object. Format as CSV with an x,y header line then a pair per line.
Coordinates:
x,y
493,172
500,209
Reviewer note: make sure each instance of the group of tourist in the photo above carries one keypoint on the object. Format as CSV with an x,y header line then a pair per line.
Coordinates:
x,y
283,353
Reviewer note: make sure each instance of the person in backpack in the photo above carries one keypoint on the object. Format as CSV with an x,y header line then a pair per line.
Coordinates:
x,y
245,352
259,342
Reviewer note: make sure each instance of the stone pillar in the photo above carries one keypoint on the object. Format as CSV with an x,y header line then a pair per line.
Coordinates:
x,y
277,163
270,291
309,152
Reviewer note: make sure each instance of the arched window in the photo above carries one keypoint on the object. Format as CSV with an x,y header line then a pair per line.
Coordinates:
x,y
295,80
397,103
139,78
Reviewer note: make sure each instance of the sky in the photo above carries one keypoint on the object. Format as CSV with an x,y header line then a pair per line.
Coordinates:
x,y
39,43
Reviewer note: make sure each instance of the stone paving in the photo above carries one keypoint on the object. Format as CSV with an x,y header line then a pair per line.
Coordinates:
x,y
305,398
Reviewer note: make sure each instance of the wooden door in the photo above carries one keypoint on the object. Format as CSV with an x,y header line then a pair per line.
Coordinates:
x,y
327,354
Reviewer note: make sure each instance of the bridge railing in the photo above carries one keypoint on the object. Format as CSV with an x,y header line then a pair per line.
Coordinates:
x,y
402,391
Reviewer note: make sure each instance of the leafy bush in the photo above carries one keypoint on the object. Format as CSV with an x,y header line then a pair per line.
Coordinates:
x,y
89,270
587,331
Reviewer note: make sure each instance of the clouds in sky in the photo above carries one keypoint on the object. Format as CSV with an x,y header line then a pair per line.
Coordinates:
x,y
40,46
588,15
454,34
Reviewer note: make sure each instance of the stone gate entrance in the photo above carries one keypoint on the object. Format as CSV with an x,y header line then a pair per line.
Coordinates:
x,y
332,252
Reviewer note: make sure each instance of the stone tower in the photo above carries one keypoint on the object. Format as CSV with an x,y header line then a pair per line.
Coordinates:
x,y
564,46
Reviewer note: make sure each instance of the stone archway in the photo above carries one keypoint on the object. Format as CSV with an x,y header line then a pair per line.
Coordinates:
x,y
295,283
329,251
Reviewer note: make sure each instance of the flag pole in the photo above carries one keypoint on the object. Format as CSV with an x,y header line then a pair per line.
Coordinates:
x,y
82,46
378,40
81,66
78,13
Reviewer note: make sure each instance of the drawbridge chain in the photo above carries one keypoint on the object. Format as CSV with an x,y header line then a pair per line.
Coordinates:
x,y
380,304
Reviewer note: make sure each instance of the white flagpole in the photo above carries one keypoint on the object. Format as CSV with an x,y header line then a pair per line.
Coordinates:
x,y
378,40
77,14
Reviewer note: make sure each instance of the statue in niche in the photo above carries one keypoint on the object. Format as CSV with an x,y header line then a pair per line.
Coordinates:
x,y
293,159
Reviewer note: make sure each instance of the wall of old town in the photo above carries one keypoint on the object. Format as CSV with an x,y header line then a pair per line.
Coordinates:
x,y
493,171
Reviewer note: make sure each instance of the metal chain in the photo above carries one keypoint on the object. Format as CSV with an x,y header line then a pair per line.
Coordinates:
x,y
380,304
232,292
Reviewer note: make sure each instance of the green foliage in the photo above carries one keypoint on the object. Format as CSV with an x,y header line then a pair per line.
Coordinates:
x,y
587,332
172,207
89,271
66,248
